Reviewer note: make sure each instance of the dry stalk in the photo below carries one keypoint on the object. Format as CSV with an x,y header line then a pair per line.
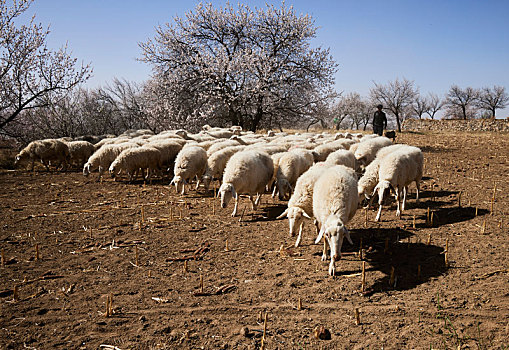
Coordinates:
x,y
226,249
428,242
393,277
260,317
363,278
459,199
201,283
483,227
427,217
299,305
357,316
476,210
446,253
185,266
361,257
171,214
492,204
432,221
265,319
137,261
413,222
366,217
15,293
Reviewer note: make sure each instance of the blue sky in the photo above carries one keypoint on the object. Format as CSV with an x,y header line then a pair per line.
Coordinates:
x,y
434,43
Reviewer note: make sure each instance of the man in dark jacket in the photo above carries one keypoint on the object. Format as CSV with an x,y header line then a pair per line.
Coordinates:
x,y
379,121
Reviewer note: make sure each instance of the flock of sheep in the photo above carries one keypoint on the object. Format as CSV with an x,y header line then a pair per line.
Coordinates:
x,y
324,176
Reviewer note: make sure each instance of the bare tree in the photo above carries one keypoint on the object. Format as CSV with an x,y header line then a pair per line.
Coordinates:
x,y
240,66
420,106
30,73
492,99
462,102
435,104
396,96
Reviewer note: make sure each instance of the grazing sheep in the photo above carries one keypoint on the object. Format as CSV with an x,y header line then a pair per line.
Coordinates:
x,y
342,157
47,151
219,145
398,170
300,205
103,157
133,159
366,151
321,152
291,166
191,162
216,163
369,180
169,149
247,172
335,202
80,151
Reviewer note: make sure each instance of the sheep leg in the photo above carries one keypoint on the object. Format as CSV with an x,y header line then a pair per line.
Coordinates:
x,y
33,164
299,237
197,183
417,195
258,199
253,203
324,252
405,189
274,192
398,201
379,213
234,213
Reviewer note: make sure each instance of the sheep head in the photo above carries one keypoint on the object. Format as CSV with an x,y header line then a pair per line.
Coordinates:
x,y
295,218
179,183
334,232
86,169
284,188
227,192
206,179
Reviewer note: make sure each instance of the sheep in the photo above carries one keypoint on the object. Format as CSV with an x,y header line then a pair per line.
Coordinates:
x,y
190,162
219,145
269,149
247,172
291,166
391,135
275,162
217,162
321,152
80,151
300,205
366,151
342,157
133,159
169,149
46,151
396,171
369,180
335,202
103,157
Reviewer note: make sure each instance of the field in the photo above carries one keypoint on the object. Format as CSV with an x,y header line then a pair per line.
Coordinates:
x,y
69,244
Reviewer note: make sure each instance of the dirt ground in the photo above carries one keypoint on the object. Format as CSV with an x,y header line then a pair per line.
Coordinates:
x,y
70,243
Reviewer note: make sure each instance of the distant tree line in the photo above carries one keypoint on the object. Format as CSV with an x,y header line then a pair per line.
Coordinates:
x,y
225,66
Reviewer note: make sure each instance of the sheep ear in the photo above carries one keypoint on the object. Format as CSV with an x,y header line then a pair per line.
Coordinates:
x,y
306,215
320,235
347,235
283,214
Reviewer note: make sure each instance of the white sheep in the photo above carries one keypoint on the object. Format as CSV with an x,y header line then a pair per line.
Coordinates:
x,y
103,157
321,152
366,150
300,205
247,172
291,166
169,149
80,151
133,159
369,179
216,163
396,172
47,151
335,202
219,145
342,157
191,162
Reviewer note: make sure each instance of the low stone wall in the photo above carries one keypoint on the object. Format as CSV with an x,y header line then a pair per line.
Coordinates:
x,y
497,125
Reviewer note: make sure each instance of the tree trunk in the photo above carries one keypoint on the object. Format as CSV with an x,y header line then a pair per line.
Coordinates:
x,y
398,122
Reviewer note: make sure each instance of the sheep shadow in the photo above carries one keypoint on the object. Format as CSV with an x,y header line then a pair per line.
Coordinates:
x,y
434,149
405,266
386,249
452,215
